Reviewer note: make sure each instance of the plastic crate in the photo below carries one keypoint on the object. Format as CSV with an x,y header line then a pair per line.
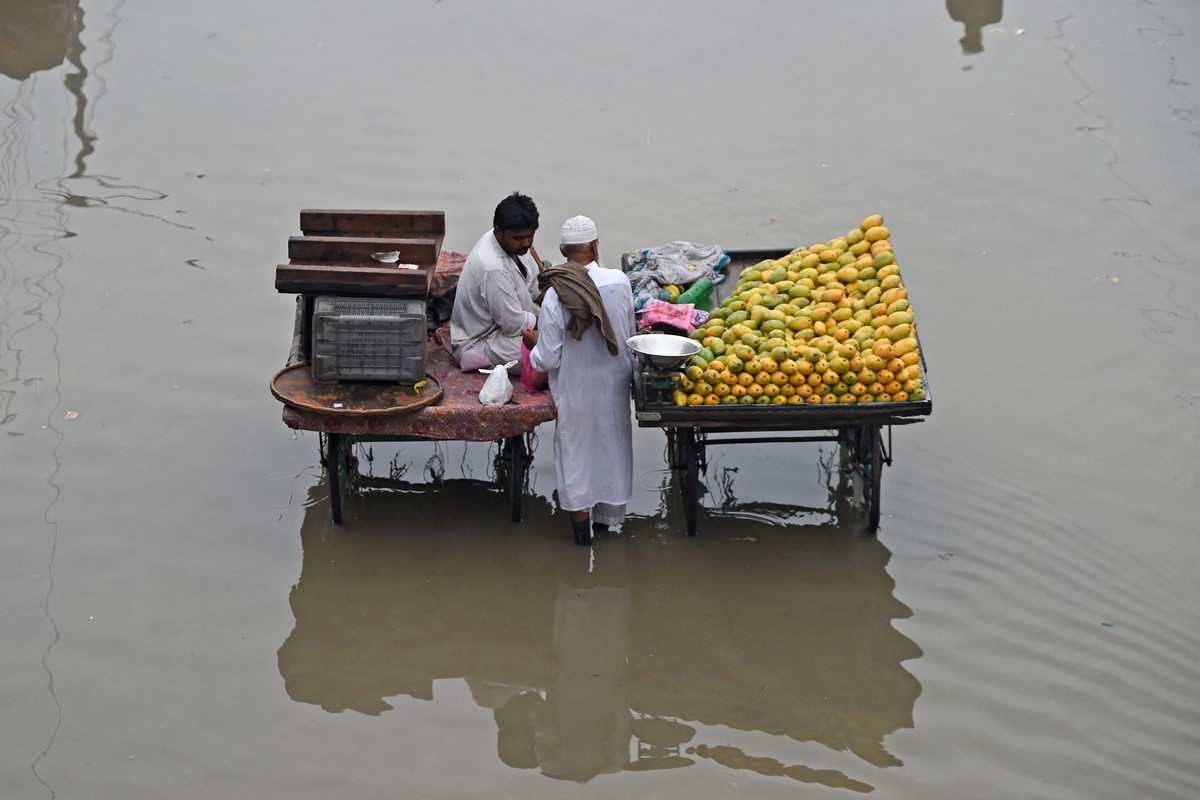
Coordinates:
x,y
368,339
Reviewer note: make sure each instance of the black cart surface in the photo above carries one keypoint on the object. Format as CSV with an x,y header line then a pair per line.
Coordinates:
x,y
862,430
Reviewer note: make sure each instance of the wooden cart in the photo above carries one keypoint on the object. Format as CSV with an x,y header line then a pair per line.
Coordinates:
x,y
862,430
335,256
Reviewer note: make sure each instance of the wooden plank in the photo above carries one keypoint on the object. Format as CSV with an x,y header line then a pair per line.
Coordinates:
x,y
346,250
381,281
355,222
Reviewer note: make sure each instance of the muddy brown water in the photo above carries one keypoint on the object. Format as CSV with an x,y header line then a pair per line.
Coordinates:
x,y
182,619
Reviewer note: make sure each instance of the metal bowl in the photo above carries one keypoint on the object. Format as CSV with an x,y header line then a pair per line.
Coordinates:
x,y
662,350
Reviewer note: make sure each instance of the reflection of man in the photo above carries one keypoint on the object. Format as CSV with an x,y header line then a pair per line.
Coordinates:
x,y
494,301
587,315
584,728
974,14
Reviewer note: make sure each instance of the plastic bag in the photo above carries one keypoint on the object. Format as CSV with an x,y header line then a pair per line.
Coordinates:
x,y
534,380
497,389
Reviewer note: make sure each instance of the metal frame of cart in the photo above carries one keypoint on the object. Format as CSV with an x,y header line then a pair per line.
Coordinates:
x,y
513,462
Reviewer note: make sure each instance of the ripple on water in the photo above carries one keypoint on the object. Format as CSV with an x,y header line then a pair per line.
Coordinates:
x,y
1052,657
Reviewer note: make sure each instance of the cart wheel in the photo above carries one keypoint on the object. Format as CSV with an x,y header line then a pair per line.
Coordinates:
x,y
872,464
689,465
515,461
335,469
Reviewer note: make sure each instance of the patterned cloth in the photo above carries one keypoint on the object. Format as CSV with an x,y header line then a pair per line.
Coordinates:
x,y
458,416
445,275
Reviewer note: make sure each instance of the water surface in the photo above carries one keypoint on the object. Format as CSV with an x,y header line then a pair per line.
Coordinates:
x,y
183,619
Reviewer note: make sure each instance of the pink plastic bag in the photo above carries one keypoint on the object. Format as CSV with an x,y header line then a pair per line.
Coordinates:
x,y
532,379
660,312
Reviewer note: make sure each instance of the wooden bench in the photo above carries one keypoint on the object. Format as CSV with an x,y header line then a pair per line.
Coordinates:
x,y
333,254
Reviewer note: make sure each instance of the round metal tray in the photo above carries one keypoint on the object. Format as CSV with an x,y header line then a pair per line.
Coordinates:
x,y
294,386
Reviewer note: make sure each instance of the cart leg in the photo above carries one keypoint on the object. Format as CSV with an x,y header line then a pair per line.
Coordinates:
x,y
872,465
690,463
516,457
336,468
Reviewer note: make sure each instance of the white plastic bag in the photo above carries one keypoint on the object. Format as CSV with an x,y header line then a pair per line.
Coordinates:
x,y
497,389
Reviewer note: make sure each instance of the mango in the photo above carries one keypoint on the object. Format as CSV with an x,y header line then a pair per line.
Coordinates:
x,y
887,271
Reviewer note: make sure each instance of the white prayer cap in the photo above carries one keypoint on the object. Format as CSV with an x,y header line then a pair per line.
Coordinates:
x,y
579,230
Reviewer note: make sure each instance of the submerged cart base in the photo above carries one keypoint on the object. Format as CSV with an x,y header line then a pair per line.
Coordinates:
x,y
866,450
512,464
456,416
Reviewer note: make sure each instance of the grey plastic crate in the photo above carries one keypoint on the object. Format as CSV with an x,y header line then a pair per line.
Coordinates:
x,y
368,339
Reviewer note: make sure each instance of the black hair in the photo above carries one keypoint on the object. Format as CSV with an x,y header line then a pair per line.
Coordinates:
x,y
516,212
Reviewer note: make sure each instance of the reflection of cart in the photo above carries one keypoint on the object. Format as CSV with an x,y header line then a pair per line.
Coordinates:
x,y
858,428
646,647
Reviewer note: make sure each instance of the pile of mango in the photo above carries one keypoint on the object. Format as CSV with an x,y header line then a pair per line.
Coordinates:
x,y
826,323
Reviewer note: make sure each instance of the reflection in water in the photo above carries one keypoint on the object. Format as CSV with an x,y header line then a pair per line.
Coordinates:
x,y
974,14
75,82
657,654
35,35
49,33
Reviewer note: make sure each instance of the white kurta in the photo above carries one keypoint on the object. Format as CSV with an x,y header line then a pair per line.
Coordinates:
x,y
593,448
493,302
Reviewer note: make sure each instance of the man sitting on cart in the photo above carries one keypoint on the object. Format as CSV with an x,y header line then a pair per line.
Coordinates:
x,y
495,299
580,343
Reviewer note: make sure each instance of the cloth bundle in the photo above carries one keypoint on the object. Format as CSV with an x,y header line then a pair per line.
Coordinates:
x,y
682,316
681,263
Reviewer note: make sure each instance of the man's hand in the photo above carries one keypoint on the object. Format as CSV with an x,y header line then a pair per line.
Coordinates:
x,y
529,337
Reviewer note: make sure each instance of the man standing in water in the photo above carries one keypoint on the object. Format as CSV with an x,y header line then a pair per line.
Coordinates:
x,y
587,314
494,300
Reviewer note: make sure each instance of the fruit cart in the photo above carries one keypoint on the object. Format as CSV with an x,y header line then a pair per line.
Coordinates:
x,y
861,429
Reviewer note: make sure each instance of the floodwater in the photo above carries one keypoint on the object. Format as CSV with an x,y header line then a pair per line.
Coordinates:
x,y
182,619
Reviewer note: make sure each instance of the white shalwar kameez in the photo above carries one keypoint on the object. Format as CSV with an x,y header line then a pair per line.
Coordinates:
x,y
493,302
593,448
